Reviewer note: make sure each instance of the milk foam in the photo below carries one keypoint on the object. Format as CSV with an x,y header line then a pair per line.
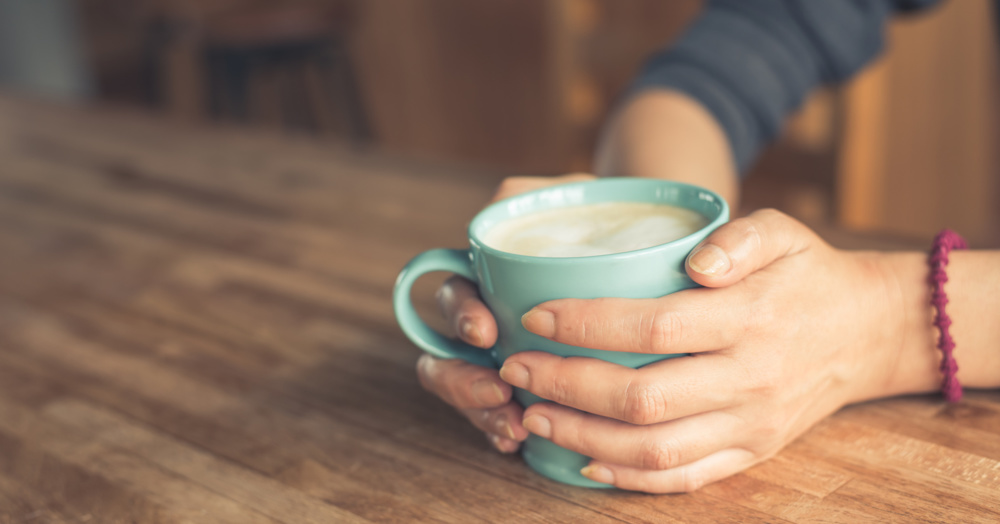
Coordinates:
x,y
593,229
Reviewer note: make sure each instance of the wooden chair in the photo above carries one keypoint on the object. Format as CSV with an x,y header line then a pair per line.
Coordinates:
x,y
284,63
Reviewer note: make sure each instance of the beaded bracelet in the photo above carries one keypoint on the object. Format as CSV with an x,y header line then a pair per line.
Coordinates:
x,y
944,242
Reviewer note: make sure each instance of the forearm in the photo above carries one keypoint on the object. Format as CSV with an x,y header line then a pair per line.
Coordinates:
x,y
973,290
666,134
702,109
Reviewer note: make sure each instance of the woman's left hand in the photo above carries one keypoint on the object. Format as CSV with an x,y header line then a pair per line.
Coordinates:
x,y
786,331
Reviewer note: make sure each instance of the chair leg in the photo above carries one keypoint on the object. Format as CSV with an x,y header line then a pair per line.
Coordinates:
x,y
236,76
344,89
215,79
154,44
297,112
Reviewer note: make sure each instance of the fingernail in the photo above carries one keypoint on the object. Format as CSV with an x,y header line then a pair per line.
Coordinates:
x,y
598,474
710,259
470,332
486,392
540,322
502,426
424,363
538,425
515,374
501,444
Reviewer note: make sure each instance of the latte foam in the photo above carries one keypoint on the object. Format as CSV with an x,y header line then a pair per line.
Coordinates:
x,y
594,229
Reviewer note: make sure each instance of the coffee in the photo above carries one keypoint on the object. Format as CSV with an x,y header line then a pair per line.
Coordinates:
x,y
593,229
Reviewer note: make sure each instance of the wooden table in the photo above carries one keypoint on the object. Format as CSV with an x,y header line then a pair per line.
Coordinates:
x,y
195,326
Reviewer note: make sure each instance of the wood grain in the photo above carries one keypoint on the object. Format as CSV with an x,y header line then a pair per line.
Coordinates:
x,y
195,326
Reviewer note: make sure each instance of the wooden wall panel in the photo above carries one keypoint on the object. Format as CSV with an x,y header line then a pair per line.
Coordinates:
x,y
457,79
520,84
920,147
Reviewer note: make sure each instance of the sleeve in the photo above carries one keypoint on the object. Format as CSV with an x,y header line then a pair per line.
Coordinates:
x,y
752,62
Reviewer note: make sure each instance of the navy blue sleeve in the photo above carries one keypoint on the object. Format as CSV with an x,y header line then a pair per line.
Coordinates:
x,y
752,62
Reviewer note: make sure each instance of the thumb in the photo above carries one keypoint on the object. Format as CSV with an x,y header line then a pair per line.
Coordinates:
x,y
743,246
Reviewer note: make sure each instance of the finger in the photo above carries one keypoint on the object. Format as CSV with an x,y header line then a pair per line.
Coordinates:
x,y
466,313
743,246
503,445
461,384
522,184
684,479
658,392
504,421
656,447
689,321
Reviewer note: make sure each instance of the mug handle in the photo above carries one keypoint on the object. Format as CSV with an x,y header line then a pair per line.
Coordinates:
x,y
453,260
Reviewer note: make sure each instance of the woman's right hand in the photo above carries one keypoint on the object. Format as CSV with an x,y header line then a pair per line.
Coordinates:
x,y
477,392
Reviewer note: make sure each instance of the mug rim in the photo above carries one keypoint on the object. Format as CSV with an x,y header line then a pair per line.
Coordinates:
x,y
720,217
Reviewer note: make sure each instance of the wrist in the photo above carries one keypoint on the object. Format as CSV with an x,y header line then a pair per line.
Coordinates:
x,y
973,287
911,337
913,363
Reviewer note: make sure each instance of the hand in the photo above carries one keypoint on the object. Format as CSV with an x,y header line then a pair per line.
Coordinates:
x,y
787,330
477,392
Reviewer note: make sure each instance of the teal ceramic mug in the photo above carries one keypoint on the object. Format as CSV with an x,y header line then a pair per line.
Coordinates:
x,y
512,284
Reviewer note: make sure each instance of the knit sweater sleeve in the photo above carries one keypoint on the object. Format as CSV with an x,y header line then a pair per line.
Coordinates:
x,y
752,62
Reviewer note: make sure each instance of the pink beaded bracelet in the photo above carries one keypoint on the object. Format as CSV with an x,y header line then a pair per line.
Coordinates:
x,y
944,242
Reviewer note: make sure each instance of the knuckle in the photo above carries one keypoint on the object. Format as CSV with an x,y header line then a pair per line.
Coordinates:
x,y
777,224
452,393
665,331
645,403
440,380
765,381
764,316
754,228
777,221
771,214
482,416
559,388
740,226
752,233
659,455
452,383
588,442
770,429
692,481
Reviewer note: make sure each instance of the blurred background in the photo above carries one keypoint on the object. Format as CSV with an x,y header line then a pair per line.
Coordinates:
x,y
523,86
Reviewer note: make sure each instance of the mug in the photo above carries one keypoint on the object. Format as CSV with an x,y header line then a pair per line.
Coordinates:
x,y
512,284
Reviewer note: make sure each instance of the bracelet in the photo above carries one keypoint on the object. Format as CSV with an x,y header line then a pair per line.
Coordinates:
x,y
944,242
